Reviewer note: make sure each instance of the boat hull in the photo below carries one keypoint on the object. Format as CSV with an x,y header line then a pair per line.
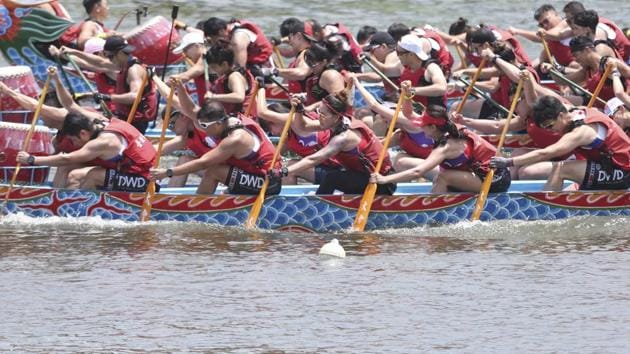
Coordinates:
x,y
316,213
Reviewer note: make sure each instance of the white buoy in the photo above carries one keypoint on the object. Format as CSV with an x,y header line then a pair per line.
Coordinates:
x,y
333,248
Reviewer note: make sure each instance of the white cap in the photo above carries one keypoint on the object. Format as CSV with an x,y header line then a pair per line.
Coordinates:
x,y
421,47
612,106
191,38
94,45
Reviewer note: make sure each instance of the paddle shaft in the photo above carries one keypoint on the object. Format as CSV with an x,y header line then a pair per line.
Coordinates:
x,y
145,214
367,62
29,135
279,84
136,102
252,100
574,85
279,58
471,86
547,51
174,13
370,191
600,85
487,182
486,97
76,67
257,206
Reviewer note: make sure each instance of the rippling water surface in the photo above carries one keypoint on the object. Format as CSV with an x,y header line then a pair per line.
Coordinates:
x,y
92,285
88,285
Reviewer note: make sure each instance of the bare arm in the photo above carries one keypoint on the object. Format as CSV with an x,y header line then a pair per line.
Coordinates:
x,y
240,41
335,146
434,159
567,143
438,82
187,105
135,77
236,84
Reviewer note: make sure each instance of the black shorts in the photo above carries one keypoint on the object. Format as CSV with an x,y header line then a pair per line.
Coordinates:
x,y
351,182
598,177
125,182
321,171
241,182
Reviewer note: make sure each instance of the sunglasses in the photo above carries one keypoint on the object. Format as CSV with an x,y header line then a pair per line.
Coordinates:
x,y
547,124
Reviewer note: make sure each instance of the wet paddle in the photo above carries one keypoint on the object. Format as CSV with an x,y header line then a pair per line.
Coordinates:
x,y
257,206
29,136
485,187
145,214
370,191
600,85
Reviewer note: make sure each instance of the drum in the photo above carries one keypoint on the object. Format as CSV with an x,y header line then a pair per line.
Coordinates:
x,y
151,41
12,137
18,78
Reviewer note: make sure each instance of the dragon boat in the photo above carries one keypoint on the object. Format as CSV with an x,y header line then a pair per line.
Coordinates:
x,y
296,210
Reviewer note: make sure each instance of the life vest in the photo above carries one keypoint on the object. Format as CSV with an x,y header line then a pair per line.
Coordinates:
x,y
616,145
106,85
621,43
310,145
507,87
139,155
417,80
296,86
607,92
350,57
200,87
198,142
221,86
70,37
476,156
442,55
420,149
364,156
259,51
258,162
148,106
561,53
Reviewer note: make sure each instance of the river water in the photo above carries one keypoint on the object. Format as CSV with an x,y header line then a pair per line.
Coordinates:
x,y
87,285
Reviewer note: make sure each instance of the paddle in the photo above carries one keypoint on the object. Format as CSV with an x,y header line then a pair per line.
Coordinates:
x,y
174,13
279,59
471,86
547,51
485,187
139,12
255,212
106,110
252,100
145,214
600,85
486,97
370,191
136,102
29,135
574,85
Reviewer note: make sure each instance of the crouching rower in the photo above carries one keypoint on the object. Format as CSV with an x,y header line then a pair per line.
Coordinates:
x,y
351,143
584,131
462,155
238,153
115,155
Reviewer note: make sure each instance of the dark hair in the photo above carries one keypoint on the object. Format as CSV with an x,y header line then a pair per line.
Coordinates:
x,y
480,36
588,19
73,123
52,99
365,33
337,101
504,51
580,43
213,26
398,30
440,112
89,5
217,54
458,27
573,8
291,25
211,111
547,107
543,10
280,107
199,25
320,51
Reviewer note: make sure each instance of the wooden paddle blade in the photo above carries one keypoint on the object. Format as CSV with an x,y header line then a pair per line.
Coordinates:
x,y
147,204
364,208
483,195
250,223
